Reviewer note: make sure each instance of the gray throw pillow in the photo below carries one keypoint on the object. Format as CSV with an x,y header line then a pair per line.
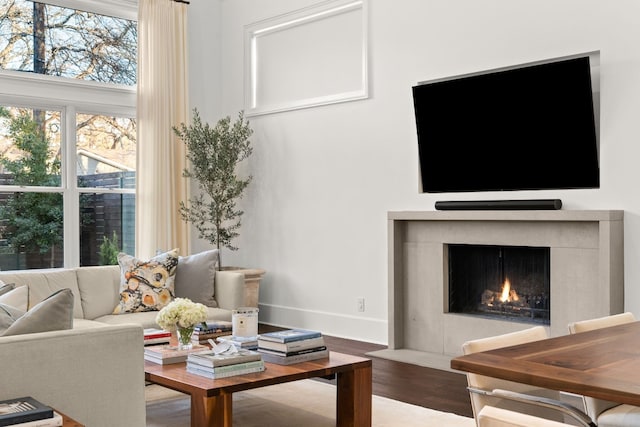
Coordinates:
x,y
8,315
4,288
195,277
52,314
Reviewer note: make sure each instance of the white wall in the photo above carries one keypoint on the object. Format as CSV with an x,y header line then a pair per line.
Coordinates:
x,y
205,58
325,177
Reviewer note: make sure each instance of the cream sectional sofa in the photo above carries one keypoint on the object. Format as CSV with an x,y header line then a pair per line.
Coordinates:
x,y
94,372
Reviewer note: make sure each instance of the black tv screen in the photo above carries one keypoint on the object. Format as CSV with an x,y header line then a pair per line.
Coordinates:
x,y
526,128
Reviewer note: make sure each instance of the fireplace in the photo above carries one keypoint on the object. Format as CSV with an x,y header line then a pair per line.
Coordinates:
x,y
586,274
502,282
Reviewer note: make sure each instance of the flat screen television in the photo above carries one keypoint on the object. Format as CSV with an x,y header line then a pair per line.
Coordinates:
x,y
530,127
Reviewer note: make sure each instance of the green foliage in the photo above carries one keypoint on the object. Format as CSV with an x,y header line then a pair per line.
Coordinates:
x,y
109,250
213,153
32,221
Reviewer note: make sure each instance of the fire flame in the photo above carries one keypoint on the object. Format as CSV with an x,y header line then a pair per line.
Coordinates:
x,y
508,294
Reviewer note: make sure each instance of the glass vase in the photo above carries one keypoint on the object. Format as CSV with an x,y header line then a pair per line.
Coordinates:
x,y
184,338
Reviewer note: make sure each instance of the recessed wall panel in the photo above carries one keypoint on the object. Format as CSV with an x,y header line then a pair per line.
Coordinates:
x,y
310,57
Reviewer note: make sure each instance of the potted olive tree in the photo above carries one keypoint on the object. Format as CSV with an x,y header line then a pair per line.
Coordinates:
x,y
213,154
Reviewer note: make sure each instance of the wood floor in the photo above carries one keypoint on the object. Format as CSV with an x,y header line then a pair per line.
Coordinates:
x,y
430,388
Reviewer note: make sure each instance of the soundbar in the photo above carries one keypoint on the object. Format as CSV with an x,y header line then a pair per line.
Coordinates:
x,y
499,205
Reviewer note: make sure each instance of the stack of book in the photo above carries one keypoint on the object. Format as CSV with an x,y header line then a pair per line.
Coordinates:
x,y
227,364
210,330
247,343
167,354
154,336
28,412
292,346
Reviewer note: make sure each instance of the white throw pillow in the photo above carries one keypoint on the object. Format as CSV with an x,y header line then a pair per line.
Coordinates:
x,y
17,297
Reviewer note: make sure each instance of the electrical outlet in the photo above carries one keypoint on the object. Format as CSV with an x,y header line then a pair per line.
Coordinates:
x,y
360,302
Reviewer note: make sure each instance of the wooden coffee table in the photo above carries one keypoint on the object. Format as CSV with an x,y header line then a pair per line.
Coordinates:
x,y
69,422
212,400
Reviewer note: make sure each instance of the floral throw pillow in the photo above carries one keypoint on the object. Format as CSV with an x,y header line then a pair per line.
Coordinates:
x,y
146,285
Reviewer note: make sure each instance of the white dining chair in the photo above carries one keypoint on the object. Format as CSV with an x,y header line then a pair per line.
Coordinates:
x,y
491,416
604,412
601,322
523,398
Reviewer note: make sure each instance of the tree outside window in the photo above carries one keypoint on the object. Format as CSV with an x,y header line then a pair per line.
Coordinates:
x,y
32,221
57,41
73,45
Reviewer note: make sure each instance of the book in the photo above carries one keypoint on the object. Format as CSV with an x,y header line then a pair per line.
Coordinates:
x,y
227,368
151,333
217,326
226,371
203,338
156,341
55,421
172,351
292,345
156,336
164,361
209,358
289,360
289,335
210,334
240,342
22,410
167,354
291,353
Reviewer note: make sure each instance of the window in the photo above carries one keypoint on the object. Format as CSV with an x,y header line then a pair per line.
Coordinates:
x,y
59,41
67,133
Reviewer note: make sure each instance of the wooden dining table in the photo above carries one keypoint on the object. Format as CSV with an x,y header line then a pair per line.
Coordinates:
x,y
603,363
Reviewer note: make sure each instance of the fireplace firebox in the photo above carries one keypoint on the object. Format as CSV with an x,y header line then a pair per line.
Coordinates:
x,y
505,282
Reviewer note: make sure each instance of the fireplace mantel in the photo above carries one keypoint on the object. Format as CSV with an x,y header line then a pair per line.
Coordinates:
x,y
499,215
587,277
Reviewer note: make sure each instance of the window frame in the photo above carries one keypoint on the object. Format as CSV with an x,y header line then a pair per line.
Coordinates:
x,y
127,9
72,97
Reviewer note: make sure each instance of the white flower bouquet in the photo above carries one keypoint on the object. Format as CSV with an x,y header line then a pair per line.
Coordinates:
x,y
181,313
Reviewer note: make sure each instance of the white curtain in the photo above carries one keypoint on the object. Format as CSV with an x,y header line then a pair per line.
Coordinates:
x,y
162,104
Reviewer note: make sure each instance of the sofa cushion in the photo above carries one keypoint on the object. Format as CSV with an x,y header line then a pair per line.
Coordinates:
x,y
99,289
148,319
195,277
146,285
88,324
17,297
44,282
145,319
52,314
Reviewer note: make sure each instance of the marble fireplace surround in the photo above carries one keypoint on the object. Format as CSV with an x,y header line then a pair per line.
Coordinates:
x,y
587,277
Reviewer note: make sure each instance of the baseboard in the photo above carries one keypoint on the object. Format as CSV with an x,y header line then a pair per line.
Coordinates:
x,y
335,324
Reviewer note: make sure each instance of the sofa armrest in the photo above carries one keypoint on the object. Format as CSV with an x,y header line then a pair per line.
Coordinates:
x,y
229,289
94,375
